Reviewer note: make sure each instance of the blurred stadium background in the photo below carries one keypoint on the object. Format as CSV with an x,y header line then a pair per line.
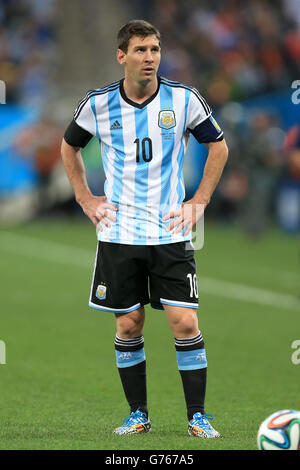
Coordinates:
x,y
243,56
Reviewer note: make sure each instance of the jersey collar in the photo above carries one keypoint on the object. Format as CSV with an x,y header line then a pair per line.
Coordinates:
x,y
133,103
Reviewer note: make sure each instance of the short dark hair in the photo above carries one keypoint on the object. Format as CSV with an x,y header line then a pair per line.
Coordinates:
x,y
135,28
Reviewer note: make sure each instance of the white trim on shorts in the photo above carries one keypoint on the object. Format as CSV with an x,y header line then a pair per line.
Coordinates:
x,y
176,303
116,310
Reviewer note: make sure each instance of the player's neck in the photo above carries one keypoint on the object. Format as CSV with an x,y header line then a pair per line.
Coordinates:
x,y
139,92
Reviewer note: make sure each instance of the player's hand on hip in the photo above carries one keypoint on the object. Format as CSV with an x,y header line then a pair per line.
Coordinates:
x,y
185,217
99,211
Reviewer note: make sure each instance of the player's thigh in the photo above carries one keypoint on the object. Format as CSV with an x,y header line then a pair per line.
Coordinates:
x,y
183,321
120,280
130,325
173,278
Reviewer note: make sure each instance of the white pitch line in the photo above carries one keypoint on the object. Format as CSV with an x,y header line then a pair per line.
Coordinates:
x,y
247,293
44,249
283,277
70,255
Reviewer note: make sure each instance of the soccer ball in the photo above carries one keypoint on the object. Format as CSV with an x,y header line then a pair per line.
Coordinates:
x,y
280,431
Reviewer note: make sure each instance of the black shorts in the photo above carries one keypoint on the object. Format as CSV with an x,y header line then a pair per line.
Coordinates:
x,y
127,277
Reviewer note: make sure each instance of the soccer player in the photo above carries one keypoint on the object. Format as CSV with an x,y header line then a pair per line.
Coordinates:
x,y
144,250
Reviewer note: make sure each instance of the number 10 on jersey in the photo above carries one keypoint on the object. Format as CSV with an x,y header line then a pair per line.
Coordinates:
x,y
144,150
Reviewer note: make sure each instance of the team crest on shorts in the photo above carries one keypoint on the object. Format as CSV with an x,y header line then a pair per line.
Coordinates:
x,y
101,292
166,119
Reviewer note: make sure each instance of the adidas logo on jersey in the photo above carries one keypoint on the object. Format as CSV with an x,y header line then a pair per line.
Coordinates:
x,y
116,125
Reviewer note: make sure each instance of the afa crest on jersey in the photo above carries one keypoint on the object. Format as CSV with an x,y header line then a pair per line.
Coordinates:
x,y
101,292
166,119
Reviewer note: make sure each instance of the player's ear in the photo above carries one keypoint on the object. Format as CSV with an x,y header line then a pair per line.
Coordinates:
x,y
121,56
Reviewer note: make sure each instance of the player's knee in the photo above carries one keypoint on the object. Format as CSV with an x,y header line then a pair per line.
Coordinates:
x,y
188,324
129,331
130,326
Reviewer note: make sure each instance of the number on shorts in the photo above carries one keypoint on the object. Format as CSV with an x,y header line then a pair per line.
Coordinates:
x,y
193,285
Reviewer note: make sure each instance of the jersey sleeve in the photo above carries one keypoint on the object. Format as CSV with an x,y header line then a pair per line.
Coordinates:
x,y
198,110
76,136
83,126
200,121
84,115
208,131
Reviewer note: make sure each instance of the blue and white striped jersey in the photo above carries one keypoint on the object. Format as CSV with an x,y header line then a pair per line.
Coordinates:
x,y
143,148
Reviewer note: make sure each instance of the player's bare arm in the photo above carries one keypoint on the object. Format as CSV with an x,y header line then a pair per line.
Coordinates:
x,y
192,210
95,207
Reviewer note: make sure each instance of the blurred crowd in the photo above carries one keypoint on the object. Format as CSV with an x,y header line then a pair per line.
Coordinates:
x,y
27,49
231,51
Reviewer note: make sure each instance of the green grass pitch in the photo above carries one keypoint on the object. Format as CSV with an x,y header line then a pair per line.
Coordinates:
x,y
60,388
